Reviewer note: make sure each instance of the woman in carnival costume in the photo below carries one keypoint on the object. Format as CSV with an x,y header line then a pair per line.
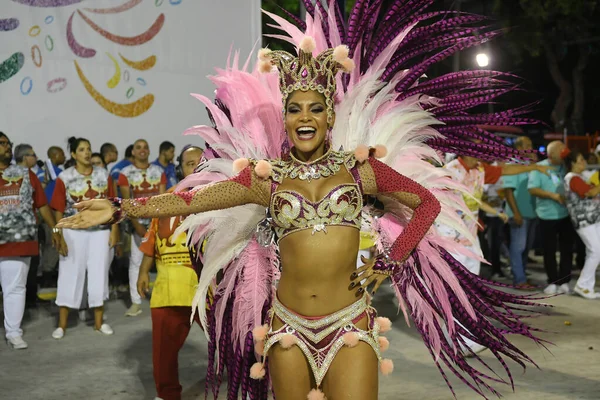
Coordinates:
x,y
297,300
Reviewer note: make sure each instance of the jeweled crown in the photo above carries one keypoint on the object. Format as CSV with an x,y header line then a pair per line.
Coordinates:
x,y
307,72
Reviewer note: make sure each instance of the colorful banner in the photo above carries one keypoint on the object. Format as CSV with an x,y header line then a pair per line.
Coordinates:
x,y
114,70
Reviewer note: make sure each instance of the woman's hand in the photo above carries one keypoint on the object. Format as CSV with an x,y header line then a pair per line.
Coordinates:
x,y
91,213
58,242
371,276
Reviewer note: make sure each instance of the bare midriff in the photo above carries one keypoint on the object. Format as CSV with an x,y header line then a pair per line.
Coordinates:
x,y
316,270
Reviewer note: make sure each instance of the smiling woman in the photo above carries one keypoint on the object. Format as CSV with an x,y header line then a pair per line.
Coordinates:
x,y
288,295
306,124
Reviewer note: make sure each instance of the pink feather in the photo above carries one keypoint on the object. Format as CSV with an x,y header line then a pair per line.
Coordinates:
x,y
260,266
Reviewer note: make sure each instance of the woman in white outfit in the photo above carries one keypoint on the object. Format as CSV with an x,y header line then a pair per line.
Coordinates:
x,y
583,202
88,250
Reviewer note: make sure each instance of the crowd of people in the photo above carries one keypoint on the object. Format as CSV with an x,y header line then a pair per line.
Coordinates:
x,y
77,265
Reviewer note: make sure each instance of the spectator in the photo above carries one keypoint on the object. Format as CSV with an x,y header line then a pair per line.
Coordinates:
x,y
87,251
128,160
494,226
97,161
521,210
49,256
141,179
110,155
474,175
20,195
165,161
554,219
583,202
56,158
173,290
26,157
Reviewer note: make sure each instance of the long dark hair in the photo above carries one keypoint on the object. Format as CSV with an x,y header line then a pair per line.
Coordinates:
x,y
570,157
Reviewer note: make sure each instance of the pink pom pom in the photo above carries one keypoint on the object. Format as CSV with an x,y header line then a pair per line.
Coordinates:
x,y
380,151
316,394
361,153
260,332
257,371
240,164
348,65
386,366
385,325
263,54
308,44
340,53
350,339
288,341
384,344
265,67
259,347
263,169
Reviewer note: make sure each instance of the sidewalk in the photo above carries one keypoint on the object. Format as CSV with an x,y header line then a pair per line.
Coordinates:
x,y
87,365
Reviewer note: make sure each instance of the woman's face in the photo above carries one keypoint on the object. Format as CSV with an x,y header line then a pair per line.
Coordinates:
x,y
97,162
306,120
580,165
83,153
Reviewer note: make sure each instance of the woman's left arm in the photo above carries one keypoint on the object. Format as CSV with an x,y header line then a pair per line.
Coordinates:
x,y
378,178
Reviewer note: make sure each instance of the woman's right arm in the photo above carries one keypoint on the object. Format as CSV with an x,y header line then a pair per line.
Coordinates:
x,y
245,188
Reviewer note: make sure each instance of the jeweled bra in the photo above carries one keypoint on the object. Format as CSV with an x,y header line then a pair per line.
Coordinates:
x,y
291,211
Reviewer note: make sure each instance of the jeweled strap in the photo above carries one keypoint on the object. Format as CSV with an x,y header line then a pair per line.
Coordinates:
x,y
118,212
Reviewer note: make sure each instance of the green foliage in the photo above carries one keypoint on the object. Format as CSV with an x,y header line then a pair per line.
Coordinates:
x,y
275,7
533,24
293,7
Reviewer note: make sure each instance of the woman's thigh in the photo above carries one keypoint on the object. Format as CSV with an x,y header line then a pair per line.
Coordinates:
x,y
353,374
290,372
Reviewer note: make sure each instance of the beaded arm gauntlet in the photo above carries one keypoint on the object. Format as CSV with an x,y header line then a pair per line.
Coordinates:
x,y
245,188
378,178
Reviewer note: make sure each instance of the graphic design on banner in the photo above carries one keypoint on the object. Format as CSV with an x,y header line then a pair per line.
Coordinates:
x,y
46,43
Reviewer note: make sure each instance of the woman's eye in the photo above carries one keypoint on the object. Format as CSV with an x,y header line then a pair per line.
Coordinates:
x,y
293,110
317,110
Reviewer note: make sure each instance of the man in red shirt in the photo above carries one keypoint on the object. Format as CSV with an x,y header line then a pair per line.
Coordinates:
x,y
21,193
141,179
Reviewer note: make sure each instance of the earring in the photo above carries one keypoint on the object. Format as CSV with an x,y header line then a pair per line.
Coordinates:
x,y
285,148
328,138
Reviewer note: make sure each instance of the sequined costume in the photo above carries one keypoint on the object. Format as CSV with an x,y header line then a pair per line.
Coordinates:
x,y
321,338
385,99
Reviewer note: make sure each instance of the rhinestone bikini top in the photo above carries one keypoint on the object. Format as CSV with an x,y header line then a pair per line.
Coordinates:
x,y
292,212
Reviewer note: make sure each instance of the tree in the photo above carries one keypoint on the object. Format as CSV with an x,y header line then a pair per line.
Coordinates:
x,y
275,7
565,33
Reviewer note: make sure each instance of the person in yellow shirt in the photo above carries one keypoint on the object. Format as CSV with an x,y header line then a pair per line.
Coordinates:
x,y
595,178
173,290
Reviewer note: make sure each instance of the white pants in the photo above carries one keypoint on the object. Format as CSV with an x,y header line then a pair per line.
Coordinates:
x,y
88,251
135,261
590,236
13,278
84,299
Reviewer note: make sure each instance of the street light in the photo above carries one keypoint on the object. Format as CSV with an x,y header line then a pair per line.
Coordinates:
x,y
482,60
